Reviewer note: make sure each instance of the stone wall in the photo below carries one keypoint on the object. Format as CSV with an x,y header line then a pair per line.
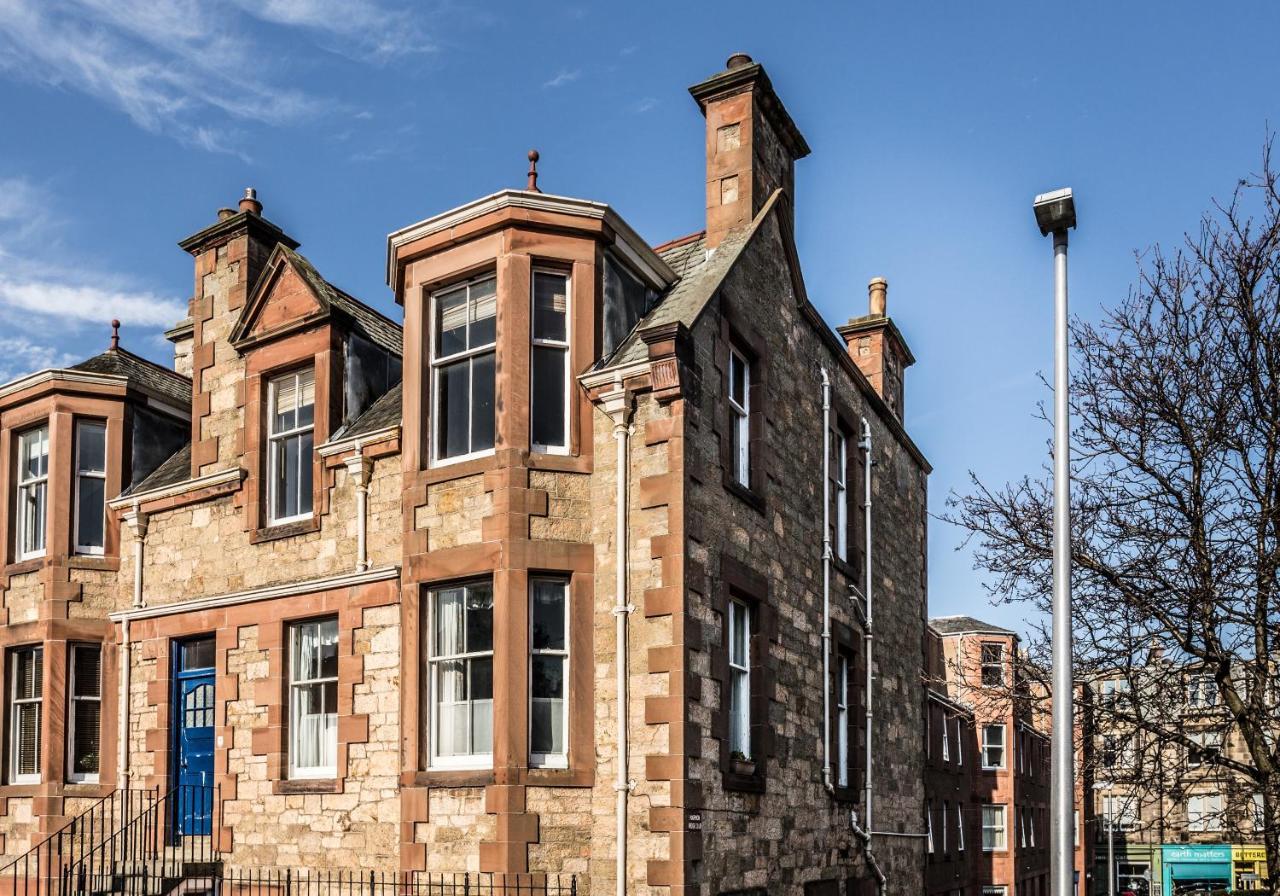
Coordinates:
x,y
787,831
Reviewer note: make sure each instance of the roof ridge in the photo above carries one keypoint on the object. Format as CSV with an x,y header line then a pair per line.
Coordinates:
x,y
160,367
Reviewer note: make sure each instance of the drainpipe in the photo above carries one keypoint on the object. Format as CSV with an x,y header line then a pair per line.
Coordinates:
x,y
138,520
826,582
869,636
617,404
359,468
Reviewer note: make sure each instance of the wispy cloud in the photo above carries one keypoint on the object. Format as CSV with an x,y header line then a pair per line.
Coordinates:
x,y
563,77
646,104
188,69
44,298
20,356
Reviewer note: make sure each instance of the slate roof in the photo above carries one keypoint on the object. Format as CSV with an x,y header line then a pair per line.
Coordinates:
x,y
955,625
382,330
700,274
174,470
381,414
148,374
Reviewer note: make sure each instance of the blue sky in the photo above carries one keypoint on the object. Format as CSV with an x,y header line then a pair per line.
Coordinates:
x,y
125,125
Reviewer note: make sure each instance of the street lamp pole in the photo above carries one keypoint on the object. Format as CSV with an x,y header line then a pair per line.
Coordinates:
x,y
1056,214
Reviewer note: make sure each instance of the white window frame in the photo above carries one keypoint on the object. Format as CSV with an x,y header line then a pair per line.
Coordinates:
x,y
468,760
551,760
842,720
27,487
946,812
1207,817
959,827
305,464
15,702
839,481
468,355
928,826
997,664
1002,829
81,475
740,418
296,685
563,346
1257,809
1004,747
995,890
1202,692
1209,741
959,741
739,684
946,739
72,700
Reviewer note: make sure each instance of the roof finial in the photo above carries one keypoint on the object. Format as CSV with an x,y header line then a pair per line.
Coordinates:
x,y
115,335
533,172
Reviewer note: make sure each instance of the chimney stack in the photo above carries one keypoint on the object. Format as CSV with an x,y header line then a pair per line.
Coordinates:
x,y
877,347
751,144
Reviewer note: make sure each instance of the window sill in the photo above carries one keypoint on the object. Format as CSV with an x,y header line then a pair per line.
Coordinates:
x,y
285,530
308,785
453,777
19,567
93,561
752,499
743,783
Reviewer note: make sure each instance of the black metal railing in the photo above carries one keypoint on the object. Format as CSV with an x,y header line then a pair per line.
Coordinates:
x,y
134,843
44,861
286,882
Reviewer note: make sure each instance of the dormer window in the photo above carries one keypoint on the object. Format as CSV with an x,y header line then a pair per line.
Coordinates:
x,y
549,387
91,486
291,423
33,492
464,319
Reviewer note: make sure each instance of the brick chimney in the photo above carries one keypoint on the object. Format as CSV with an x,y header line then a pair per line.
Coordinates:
x,y
229,255
752,145
878,348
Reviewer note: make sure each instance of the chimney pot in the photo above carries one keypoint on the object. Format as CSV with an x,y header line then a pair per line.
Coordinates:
x,y
878,296
738,60
250,201
224,213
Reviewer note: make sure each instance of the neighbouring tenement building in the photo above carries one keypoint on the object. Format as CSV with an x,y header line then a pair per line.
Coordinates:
x,y
987,767
565,573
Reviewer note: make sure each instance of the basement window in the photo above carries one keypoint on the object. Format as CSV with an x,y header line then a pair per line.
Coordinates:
x,y
25,711
313,699
84,715
33,492
463,352
290,434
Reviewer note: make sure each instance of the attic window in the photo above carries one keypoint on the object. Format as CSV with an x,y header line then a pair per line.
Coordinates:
x,y
291,425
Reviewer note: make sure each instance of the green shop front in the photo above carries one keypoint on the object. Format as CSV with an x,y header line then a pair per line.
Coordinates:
x,y
1195,868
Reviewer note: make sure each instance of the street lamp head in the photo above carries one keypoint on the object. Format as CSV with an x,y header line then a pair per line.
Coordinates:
x,y
1055,211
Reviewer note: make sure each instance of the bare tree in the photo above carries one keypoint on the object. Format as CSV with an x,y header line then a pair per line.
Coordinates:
x,y
1175,401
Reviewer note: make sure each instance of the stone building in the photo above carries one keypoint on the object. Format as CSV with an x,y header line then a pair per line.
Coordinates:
x,y
571,571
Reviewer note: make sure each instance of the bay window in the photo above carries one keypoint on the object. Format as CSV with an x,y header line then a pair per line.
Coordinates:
x,y
740,417
84,714
33,492
461,675
290,434
26,674
313,699
549,377
91,486
464,323
549,672
739,678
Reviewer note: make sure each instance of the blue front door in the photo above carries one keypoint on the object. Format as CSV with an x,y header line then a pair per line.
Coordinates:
x,y
193,724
